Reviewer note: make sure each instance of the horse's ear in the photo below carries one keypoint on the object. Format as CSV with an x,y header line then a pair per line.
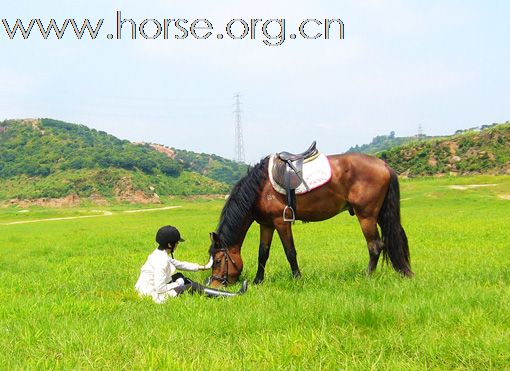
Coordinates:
x,y
214,237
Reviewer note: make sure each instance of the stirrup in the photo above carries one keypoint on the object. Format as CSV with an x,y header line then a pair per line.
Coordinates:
x,y
293,218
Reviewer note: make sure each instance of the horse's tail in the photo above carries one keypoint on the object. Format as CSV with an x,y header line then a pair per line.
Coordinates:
x,y
393,235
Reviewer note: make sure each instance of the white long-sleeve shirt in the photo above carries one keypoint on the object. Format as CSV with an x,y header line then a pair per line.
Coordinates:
x,y
156,274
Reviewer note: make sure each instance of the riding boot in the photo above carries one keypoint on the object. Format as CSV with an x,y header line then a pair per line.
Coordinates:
x,y
213,293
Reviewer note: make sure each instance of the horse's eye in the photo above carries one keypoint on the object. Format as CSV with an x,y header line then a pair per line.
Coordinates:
x,y
217,261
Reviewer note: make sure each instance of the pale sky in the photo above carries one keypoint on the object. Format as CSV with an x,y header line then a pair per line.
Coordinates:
x,y
441,64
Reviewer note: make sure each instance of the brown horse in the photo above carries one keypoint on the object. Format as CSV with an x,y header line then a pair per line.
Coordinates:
x,y
364,185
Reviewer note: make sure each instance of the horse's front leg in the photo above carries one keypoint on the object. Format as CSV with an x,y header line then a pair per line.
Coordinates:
x,y
285,232
266,237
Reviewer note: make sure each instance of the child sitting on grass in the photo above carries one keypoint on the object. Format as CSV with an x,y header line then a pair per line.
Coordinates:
x,y
158,278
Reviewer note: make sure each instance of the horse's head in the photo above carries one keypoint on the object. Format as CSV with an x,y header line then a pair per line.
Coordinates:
x,y
227,262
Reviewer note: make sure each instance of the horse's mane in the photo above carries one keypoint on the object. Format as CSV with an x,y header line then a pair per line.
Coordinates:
x,y
240,202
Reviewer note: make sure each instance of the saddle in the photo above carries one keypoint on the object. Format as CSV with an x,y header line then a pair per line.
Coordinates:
x,y
287,172
310,152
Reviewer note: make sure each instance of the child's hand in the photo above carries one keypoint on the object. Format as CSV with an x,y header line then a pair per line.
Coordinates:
x,y
209,264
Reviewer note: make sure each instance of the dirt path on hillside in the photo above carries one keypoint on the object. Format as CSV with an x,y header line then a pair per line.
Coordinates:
x,y
470,186
104,213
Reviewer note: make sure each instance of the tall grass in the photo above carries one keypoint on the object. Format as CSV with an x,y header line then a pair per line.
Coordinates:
x,y
66,289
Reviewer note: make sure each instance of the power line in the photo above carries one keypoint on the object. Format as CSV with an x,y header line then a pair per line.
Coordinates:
x,y
239,142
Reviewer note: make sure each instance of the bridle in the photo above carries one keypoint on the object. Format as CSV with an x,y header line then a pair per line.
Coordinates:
x,y
224,279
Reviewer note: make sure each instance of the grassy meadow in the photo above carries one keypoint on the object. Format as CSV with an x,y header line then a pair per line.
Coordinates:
x,y
67,297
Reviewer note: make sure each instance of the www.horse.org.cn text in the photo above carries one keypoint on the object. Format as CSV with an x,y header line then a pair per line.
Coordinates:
x,y
272,32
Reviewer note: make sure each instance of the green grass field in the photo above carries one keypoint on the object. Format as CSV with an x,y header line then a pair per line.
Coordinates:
x,y
67,297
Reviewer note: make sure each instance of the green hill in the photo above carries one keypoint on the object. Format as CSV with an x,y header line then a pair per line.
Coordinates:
x,y
473,151
49,158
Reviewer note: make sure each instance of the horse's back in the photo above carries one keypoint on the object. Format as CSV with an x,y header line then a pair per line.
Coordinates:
x,y
362,177
359,164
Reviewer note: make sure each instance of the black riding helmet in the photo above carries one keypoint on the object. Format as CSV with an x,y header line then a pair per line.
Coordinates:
x,y
168,235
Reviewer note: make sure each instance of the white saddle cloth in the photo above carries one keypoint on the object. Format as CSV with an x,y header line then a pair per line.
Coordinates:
x,y
316,173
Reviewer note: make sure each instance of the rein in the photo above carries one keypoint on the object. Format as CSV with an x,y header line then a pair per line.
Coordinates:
x,y
224,279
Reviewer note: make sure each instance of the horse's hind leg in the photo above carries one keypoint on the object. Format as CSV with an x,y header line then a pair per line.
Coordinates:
x,y
266,237
374,243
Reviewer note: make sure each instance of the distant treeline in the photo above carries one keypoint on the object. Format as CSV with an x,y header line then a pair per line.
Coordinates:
x,y
211,166
383,142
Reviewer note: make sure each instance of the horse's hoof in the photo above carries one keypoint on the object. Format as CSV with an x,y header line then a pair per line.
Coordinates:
x,y
257,280
297,275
